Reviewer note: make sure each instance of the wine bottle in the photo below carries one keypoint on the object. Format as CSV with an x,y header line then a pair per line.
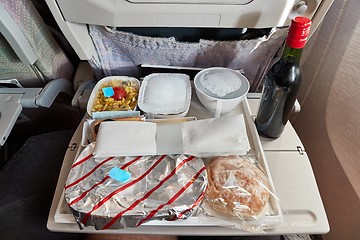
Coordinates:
x,y
282,82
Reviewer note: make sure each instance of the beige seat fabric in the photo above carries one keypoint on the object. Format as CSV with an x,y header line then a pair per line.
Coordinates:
x,y
52,61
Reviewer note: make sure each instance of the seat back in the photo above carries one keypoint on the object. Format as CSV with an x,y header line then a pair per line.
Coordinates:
x,y
51,62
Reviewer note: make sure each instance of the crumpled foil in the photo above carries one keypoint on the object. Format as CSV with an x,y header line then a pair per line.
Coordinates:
x,y
167,187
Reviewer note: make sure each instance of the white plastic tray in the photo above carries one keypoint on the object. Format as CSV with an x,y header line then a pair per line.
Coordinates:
x,y
64,215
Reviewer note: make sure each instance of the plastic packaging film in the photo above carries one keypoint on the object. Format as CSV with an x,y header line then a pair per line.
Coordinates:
x,y
240,195
165,94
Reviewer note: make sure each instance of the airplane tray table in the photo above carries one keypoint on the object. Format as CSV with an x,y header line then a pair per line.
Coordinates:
x,y
301,207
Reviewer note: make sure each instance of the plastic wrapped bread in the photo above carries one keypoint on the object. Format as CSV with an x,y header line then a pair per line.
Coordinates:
x,y
237,187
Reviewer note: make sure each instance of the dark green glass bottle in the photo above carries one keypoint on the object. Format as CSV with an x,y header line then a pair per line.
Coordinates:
x,y
282,82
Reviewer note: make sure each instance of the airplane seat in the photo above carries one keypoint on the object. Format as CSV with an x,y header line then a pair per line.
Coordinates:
x,y
37,120
51,62
31,58
44,11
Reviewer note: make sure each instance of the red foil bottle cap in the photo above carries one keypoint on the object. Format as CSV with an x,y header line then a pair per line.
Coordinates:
x,y
298,32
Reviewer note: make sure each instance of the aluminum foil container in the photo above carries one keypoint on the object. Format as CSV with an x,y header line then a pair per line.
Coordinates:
x,y
165,95
166,187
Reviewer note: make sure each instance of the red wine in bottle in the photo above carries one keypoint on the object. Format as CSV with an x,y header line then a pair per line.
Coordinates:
x,y
282,82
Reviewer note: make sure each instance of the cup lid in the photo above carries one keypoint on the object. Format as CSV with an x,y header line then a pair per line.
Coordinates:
x,y
222,83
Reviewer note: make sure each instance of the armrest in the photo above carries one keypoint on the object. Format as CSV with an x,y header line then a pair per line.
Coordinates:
x,y
13,100
82,94
48,94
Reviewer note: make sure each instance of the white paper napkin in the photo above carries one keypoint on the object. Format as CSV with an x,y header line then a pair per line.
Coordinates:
x,y
221,136
125,138
216,136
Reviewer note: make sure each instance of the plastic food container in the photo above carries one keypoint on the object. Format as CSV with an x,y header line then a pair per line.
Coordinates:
x,y
220,90
113,96
165,94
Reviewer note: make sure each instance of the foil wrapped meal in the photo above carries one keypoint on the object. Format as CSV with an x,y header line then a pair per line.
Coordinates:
x,y
122,192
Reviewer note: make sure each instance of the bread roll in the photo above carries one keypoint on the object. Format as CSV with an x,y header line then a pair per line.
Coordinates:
x,y
236,187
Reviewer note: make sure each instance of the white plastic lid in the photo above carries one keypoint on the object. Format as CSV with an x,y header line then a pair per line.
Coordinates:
x,y
222,83
165,93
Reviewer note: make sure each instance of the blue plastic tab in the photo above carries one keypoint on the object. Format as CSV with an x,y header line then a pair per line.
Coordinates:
x,y
119,174
108,91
